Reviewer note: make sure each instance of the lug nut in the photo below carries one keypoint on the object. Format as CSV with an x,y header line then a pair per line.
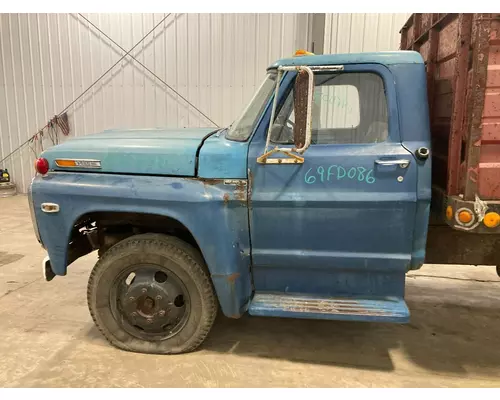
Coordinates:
x,y
149,321
161,313
144,290
134,314
158,297
131,298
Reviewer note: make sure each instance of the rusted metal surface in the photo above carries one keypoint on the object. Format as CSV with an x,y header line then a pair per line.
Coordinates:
x,y
448,40
232,277
431,68
240,192
235,189
426,22
209,181
249,188
463,39
231,282
489,160
407,34
416,31
462,55
480,67
404,35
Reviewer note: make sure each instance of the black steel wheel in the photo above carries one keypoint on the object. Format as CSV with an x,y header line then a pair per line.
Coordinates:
x,y
150,302
152,294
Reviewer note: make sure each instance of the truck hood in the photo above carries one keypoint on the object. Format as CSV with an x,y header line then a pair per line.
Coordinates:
x,y
138,151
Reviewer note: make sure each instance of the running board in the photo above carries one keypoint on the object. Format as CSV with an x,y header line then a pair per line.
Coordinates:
x,y
385,309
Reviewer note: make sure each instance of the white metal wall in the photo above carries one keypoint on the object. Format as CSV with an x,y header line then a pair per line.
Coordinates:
x,y
214,60
355,33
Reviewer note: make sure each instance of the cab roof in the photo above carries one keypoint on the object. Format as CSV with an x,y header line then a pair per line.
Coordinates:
x,y
383,57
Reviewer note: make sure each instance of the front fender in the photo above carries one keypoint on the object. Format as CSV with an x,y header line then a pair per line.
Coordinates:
x,y
214,211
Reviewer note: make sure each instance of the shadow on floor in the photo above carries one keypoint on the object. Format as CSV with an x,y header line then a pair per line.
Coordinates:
x,y
442,338
7,258
309,341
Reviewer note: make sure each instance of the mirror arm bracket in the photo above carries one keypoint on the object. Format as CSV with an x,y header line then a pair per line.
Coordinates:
x,y
291,159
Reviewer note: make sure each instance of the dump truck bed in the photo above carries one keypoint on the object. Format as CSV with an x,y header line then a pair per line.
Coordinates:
x,y
462,56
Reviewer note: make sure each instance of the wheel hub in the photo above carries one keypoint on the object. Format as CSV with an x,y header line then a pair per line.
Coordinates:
x,y
151,305
146,306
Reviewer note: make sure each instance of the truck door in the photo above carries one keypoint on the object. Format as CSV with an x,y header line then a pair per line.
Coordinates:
x,y
341,223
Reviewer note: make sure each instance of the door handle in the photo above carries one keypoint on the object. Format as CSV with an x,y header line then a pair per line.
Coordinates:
x,y
402,163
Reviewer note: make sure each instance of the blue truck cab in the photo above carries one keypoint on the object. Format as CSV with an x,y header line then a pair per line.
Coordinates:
x,y
314,203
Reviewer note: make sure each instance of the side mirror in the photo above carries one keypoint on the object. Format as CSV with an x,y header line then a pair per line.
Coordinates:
x,y
302,110
303,95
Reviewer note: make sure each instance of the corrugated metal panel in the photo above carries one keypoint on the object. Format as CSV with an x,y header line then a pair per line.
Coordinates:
x,y
356,33
353,33
214,60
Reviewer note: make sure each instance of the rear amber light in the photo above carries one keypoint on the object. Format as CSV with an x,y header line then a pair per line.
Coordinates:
x,y
491,220
465,216
41,166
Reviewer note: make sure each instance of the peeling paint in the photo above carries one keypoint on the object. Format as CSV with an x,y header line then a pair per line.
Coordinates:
x,y
209,181
240,193
250,188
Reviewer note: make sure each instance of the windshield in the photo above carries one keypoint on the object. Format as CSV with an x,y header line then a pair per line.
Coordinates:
x,y
242,128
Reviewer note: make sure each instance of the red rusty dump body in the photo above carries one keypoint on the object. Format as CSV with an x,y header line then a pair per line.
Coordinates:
x,y
462,55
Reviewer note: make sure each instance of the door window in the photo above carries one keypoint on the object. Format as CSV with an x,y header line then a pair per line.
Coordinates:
x,y
348,108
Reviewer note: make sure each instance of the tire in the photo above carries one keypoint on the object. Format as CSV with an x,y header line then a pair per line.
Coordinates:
x,y
185,272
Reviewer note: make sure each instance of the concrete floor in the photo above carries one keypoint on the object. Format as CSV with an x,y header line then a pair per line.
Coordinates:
x,y
48,338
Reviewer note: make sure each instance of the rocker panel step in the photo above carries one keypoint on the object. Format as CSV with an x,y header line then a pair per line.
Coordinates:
x,y
387,309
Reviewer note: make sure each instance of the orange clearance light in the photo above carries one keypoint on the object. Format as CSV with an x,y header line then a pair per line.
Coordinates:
x,y
491,220
449,212
465,216
65,163
301,52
